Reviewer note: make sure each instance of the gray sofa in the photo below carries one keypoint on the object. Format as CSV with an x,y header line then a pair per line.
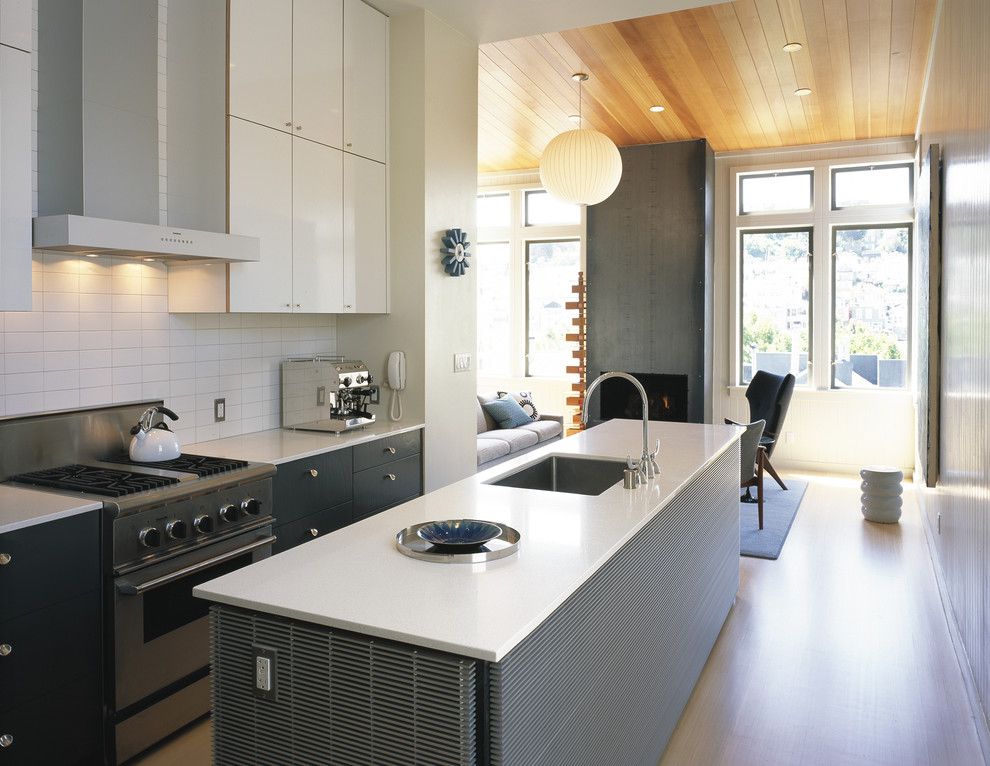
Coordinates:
x,y
496,445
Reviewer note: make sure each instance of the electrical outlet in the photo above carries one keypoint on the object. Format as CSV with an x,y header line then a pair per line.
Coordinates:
x,y
938,522
219,410
462,362
321,396
265,676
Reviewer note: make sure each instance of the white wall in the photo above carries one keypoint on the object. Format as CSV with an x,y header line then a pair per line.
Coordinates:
x,y
433,183
824,430
99,333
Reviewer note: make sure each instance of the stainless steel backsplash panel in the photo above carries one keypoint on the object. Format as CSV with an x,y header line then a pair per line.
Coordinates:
x,y
33,442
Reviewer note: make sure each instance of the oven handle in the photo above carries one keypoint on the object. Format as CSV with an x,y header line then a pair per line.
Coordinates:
x,y
128,588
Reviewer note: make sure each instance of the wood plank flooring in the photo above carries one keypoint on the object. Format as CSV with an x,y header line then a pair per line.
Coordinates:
x,y
836,653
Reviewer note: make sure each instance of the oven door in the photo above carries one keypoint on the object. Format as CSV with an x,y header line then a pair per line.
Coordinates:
x,y
161,631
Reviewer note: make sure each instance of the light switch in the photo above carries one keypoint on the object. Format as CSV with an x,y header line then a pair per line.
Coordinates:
x,y
263,673
462,362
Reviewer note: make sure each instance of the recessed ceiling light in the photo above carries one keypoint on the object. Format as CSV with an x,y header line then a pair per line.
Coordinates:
x,y
793,47
148,260
579,77
92,255
657,108
574,117
802,92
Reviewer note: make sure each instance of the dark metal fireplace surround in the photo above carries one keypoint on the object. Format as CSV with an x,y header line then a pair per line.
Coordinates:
x,y
667,396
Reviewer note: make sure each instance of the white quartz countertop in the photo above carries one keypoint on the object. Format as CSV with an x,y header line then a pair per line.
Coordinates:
x,y
355,579
21,508
281,445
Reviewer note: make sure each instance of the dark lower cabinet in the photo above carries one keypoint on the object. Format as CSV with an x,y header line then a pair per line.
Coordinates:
x,y
379,488
310,527
62,728
319,494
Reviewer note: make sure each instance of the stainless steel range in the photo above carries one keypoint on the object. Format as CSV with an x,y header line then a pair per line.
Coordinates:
x,y
167,527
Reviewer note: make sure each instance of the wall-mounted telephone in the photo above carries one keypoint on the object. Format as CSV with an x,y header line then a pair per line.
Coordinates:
x,y
397,382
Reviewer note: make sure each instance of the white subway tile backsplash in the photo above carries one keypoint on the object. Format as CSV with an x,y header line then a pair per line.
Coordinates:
x,y
99,333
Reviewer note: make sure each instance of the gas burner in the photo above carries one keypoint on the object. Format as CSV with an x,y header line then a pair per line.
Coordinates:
x,y
92,480
201,465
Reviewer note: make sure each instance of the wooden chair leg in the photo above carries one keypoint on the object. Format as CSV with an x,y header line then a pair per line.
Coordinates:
x,y
773,473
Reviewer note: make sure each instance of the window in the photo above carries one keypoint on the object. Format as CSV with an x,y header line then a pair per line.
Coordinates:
x,y
872,185
776,302
494,304
777,192
530,253
544,210
494,210
871,294
824,272
551,270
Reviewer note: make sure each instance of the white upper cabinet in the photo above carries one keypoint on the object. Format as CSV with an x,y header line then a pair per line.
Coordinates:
x,y
15,181
317,228
15,23
365,236
317,70
260,62
365,80
260,204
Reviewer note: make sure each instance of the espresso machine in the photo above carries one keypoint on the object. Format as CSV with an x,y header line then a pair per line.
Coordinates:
x,y
327,394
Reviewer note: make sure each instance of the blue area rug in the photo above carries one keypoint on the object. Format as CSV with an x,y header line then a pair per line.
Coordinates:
x,y
779,510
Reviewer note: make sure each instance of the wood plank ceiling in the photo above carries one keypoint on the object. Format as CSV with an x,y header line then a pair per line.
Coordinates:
x,y
720,72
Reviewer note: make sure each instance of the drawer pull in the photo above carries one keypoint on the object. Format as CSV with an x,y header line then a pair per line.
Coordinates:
x,y
6,740
5,649
5,559
390,450
314,532
390,476
313,472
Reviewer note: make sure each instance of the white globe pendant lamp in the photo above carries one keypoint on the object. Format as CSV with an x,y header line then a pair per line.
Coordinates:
x,y
581,166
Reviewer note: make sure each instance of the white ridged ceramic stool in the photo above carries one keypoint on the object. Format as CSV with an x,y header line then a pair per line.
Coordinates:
x,y
881,493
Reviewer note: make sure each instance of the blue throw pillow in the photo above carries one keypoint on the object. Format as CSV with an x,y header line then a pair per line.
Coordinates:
x,y
507,412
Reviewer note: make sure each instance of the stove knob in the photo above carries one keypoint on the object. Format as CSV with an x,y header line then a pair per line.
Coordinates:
x,y
203,524
176,529
347,382
150,537
229,513
251,506
359,379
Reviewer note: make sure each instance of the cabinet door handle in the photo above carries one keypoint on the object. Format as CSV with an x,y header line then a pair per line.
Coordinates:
x,y
347,305
314,532
5,558
5,649
6,740
350,144
390,450
313,472
298,127
288,124
390,476
298,305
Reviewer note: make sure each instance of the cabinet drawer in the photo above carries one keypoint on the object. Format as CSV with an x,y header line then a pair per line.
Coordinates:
x,y
49,646
386,450
383,486
298,492
301,531
49,563
63,727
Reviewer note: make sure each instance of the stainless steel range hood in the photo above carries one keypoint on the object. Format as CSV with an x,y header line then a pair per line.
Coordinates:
x,y
84,234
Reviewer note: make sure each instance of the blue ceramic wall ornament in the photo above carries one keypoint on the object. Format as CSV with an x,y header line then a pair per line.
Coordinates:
x,y
455,253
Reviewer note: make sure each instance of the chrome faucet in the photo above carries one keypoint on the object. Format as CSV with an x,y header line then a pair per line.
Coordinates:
x,y
647,464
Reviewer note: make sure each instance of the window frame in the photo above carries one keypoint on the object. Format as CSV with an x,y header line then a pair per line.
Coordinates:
x,y
742,232
833,235
518,234
835,169
822,218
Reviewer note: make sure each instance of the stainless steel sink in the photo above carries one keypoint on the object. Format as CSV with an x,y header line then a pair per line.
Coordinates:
x,y
562,473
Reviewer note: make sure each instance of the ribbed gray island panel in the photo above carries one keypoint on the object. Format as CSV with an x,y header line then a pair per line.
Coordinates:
x,y
339,698
605,678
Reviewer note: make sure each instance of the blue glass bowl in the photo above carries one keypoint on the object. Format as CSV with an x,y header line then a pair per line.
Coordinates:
x,y
459,533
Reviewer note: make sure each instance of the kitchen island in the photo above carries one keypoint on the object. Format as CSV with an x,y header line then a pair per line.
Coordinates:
x,y
581,648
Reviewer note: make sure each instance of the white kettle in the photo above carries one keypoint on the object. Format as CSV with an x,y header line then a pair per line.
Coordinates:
x,y
153,442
